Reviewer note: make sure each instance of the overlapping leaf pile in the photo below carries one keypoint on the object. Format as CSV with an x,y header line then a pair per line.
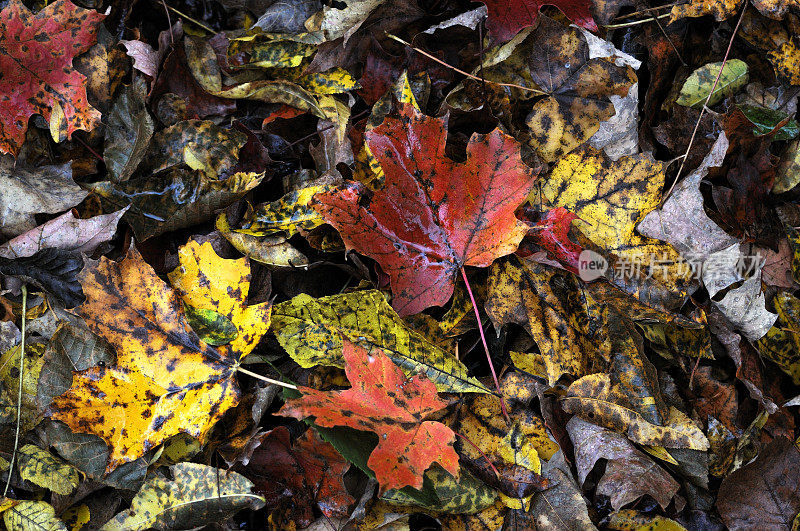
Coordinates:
x,y
400,264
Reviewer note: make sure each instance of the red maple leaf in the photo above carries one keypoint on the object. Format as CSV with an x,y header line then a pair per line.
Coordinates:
x,y
507,17
384,401
36,54
310,472
434,215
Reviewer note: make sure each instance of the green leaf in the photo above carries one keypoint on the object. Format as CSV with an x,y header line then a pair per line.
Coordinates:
x,y
698,86
211,326
764,120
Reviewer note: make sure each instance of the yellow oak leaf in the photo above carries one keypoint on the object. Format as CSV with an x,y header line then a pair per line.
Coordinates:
x,y
165,380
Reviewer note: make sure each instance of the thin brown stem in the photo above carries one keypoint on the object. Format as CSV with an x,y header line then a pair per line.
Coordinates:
x,y
489,461
19,391
463,73
190,19
486,347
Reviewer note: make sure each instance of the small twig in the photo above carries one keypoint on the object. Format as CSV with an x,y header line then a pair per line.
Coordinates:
x,y
190,19
19,391
265,379
643,11
463,73
486,346
635,22
93,152
703,110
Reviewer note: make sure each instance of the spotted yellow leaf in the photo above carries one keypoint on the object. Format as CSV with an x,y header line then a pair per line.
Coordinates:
x,y
46,470
165,380
311,331
595,399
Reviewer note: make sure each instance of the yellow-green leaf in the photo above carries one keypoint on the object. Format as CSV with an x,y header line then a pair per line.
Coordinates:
x,y
698,86
197,496
782,343
289,214
32,516
42,468
311,331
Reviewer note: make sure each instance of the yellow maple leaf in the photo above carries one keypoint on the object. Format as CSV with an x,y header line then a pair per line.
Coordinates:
x,y
165,380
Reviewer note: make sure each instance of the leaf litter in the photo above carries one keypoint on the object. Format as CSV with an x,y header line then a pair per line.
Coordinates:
x,y
399,264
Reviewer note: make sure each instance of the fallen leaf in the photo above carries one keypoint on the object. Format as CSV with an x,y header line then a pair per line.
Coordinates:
x,y
313,332
561,506
595,399
765,493
37,515
165,380
552,308
65,232
198,495
780,344
507,18
697,88
128,134
36,58
463,214
28,191
383,400
42,468
629,473
310,472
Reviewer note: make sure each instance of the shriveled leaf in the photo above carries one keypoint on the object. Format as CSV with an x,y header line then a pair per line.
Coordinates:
x,y
174,200
36,53
698,86
165,380
595,399
464,213
65,232
506,18
32,516
384,401
629,473
198,495
28,191
268,250
46,470
128,131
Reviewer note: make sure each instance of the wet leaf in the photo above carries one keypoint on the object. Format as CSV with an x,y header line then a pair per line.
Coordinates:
x,y
53,270
465,211
698,86
562,506
28,191
507,18
383,400
165,380
45,470
313,331
174,200
595,399
766,120
465,495
290,214
197,496
37,53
